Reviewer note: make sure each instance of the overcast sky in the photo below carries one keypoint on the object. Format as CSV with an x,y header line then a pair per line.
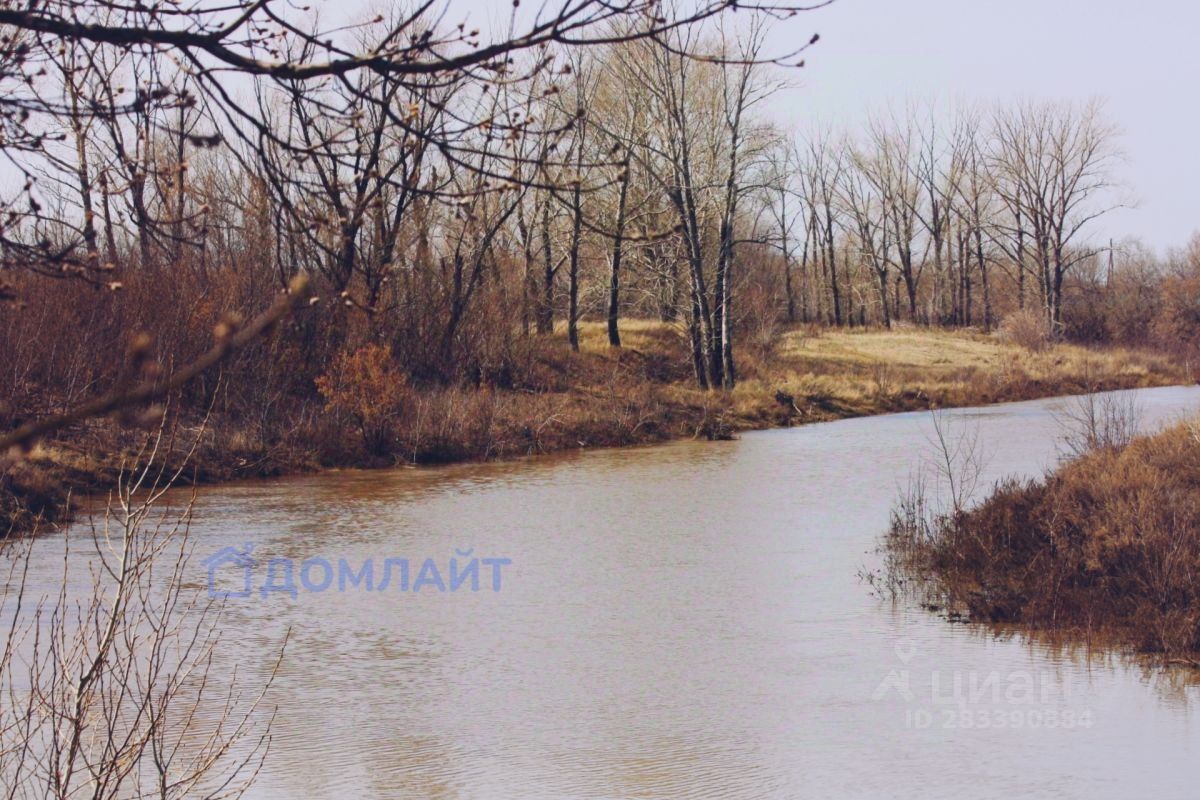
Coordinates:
x,y
1141,57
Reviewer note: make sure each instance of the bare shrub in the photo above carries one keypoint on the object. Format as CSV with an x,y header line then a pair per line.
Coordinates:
x,y
883,375
108,679
1027,328
1096,421
912,528
928,510
761,322
1193,428
957,460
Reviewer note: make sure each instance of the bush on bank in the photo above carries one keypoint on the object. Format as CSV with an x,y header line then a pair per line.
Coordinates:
x,y
1107,545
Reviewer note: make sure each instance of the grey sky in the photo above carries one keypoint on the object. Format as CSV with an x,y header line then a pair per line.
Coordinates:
x,y
1138,55
1141,57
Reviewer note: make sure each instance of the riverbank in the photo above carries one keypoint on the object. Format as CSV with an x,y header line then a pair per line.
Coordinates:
x,y
1104,549
599,397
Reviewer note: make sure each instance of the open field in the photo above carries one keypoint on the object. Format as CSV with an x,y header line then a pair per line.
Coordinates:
x,y
877,371
604,397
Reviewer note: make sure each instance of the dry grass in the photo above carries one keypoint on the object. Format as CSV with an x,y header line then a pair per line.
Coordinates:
x,y
869,371
1105,549
901,347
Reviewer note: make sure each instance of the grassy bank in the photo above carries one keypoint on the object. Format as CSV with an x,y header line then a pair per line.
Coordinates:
x,y
369,414
1105,549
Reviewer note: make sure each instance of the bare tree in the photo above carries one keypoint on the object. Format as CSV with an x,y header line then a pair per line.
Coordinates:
x,y
823,169
355,127
864,194
109,682
1054,167
785,205
892,168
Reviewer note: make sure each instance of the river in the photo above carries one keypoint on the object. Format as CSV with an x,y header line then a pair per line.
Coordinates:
x,y
678,621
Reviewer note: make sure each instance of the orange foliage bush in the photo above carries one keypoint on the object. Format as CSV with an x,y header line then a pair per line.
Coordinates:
x,y
368,386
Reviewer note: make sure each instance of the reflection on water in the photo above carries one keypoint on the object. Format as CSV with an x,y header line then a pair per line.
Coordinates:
x,y
678,621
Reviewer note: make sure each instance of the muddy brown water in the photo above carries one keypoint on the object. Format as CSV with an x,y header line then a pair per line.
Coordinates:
x,y
679,621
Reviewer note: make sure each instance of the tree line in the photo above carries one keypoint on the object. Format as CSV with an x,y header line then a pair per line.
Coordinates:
x,y
451,200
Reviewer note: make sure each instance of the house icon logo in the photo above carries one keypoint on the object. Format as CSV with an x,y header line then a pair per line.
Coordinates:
x,y
226,560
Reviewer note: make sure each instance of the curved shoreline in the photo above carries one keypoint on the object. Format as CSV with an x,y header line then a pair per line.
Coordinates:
x,y
809,378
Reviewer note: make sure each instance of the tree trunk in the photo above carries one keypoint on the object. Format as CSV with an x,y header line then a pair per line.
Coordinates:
x,y
614,273
787,261
573,277
545,309
833,277
981,262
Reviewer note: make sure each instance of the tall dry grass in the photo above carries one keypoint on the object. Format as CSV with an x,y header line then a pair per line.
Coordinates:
x,y
1107,546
